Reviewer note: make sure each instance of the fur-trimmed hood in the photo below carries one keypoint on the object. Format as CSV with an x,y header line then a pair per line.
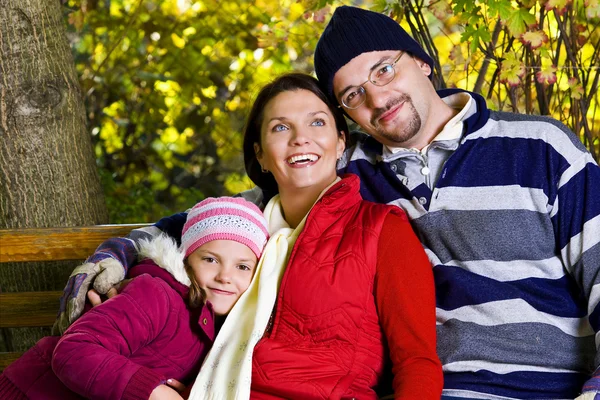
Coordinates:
x,y
164,252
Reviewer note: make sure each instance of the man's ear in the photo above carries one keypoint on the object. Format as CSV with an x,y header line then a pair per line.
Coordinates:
x,y
423,66
341,145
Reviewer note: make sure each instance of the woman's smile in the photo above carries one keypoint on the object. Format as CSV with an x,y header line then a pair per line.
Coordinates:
x,y
302,160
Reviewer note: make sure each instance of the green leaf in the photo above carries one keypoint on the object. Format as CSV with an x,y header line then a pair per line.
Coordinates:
x,y
474,36
466,6
501,8
518,22
379,6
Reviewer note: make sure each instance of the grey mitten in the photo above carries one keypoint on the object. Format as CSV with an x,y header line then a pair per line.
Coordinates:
x,y
103,274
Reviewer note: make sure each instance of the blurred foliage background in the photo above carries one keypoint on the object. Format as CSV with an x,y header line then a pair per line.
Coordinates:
x,y
168,83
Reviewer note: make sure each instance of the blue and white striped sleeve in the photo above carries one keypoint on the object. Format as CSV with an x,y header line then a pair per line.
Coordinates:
x,y
124,249
576,220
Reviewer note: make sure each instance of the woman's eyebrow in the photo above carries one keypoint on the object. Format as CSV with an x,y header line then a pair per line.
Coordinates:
x,y
277,119
311,114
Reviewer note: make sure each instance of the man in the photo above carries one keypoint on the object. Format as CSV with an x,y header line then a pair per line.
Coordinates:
x,y
506,205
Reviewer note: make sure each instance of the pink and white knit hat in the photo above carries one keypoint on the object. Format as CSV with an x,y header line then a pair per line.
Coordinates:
x,y
225,218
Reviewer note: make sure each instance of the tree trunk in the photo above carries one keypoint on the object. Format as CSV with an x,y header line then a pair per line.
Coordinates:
x,y
48,175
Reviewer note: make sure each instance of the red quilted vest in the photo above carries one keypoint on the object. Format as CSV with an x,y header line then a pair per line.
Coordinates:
x,y
325,341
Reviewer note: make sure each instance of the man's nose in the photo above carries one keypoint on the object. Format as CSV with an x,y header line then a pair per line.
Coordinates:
x,y
376,96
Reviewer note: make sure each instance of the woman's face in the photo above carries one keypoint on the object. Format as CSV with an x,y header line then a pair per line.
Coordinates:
x,y
300,142
223,269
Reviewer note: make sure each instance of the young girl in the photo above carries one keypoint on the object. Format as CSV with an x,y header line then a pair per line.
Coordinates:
x,y
162,324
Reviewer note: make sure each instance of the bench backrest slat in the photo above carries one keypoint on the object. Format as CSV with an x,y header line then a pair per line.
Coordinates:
x,y
46,244
28,309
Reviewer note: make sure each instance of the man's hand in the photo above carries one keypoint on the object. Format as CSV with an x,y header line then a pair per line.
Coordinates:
x,y
103,274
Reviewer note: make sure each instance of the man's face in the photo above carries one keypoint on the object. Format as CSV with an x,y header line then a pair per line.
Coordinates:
x,y
396,113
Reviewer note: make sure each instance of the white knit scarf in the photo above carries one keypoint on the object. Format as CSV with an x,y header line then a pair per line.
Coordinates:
x,y
227,370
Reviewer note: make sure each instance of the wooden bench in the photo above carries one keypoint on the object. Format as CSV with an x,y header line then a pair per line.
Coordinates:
x,y
39,309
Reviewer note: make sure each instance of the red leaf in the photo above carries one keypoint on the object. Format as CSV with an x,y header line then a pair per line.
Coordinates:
x,y
546,76
559,5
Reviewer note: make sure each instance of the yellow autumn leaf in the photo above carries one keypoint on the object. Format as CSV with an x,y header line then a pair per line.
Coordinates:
x,y
169,135
109,133
206,50
441,9
511,70
577,92
309,4
534,39
592,8
190,30
209,92
178,41
236,183
115,10
115,109
296,11
559,5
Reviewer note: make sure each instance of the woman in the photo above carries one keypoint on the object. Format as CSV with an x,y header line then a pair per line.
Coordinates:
x,y
346,287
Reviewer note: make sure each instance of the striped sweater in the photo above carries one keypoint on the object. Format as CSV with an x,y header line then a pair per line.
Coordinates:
x,y
511,224
512,228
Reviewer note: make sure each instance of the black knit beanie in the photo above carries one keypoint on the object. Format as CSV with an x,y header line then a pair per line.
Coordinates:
x,y
353,31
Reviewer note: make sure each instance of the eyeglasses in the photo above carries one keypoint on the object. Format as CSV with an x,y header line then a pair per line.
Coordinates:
x,y
355,96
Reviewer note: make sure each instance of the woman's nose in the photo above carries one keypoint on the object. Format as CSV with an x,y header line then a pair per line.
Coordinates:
x,y
299,137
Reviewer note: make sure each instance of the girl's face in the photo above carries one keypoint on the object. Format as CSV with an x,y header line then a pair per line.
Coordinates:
x,y
223,269
300,143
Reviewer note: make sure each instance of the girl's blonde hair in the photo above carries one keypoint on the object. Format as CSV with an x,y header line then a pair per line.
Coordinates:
x,y
196,297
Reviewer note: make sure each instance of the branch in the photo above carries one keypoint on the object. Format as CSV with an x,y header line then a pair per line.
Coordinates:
x,y
489,54
421,31
582,103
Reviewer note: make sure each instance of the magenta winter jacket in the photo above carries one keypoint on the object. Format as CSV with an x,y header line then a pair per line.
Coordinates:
x,y
127,346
